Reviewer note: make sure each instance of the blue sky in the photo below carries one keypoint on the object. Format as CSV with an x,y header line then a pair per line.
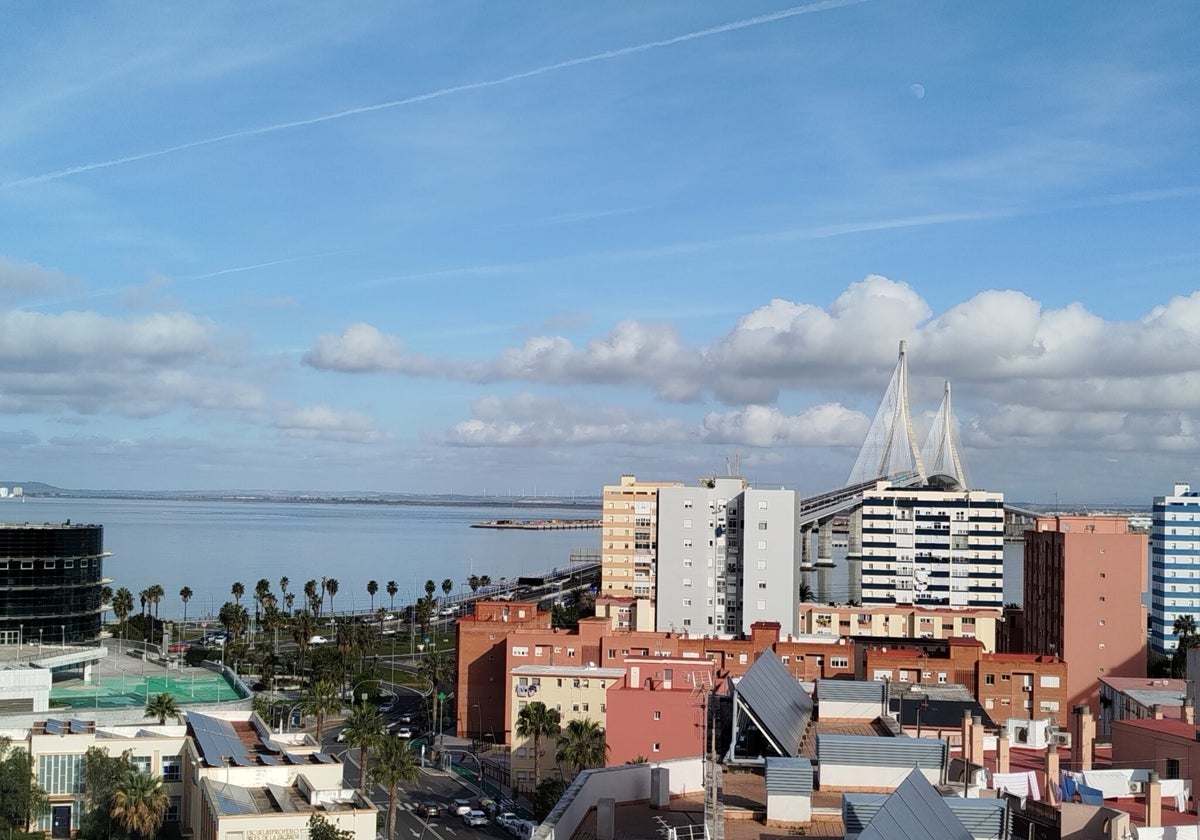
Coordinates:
x,y
468,247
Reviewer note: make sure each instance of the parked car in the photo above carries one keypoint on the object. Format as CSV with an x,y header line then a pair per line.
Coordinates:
x,y
507,819
404,732
178,647
474,818
461,806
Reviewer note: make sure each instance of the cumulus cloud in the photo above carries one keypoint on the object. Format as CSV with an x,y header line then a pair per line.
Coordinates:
x,y
362,348
326,423
20,280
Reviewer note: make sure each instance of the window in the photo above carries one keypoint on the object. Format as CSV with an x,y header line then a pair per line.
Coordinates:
x,y
172,768
520,651
687,582
762,504
141,763
1048,682
1172,768
49,564
839,662
687,504
83,564
657,746
687,543
687,564
989,679
762,545
658,715
687,523
762,526
68,564
941,677
26,564
687,602
172,814
762,584
762,605
762,564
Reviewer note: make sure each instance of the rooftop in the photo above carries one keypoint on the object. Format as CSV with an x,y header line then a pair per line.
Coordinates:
x,y
567,671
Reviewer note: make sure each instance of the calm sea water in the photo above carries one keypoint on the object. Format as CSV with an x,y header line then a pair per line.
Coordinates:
x,y
209,545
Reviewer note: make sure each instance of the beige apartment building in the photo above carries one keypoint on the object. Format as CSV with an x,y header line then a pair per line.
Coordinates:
x,y
578,693
628,545
904,622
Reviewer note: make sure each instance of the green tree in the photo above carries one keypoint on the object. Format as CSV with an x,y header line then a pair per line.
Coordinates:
x,y
234,617
122,606
289,600
447,587
320,701
106,595
185,595
21,800
313,597
304,627
473,582
261,590
331,586
806,593
320,828
163,706
485,581
364,728
438,669
237,591
392,589
394,764
155,593
372,590
537,721
430,588
582,745
546,796
284,582
101,774
139,804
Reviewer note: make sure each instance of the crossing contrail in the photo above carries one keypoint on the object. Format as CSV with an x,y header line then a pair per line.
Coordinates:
x,y
607,55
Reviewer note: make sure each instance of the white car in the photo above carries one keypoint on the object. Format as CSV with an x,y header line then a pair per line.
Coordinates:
x,y
474,818
404,732
460,806
318,640
507,819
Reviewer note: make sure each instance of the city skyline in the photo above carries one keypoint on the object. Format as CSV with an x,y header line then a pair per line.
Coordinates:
x,y
456,249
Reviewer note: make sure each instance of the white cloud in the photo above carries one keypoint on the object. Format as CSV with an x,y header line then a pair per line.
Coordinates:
x,y
361,348
19,279
326,423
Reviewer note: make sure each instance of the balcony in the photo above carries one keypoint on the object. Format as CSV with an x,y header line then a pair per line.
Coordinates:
x,y
527,690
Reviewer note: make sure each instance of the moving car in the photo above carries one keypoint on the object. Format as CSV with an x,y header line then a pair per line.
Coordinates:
x,y
507,819
318,640
404,732
430,809
460,806
474,818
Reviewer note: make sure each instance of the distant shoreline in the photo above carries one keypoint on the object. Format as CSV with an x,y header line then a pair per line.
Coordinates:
x,y
421,501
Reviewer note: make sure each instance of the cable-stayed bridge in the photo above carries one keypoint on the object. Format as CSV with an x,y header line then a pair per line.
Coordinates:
x,y
889,453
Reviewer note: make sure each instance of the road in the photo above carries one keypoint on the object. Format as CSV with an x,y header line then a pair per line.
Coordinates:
x,y
441,787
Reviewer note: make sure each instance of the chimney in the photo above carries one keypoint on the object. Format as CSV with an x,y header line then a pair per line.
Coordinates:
x,y
1051,772
966,735
977,740
1002,748
1189,712
1153,801
1156,711
1083,738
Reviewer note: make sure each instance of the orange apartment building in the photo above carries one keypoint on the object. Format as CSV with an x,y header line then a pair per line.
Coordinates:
x,y
1084,580
501,636
1006,684
628,545
907,622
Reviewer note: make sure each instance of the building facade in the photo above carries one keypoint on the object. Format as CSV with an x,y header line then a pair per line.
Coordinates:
x,y
932,547
901,622
50,582
727,557
628,552
1174,565
1084,579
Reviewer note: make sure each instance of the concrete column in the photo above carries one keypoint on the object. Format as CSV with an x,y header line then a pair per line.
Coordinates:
x,y
1002,752
854,535
806,547
660,787
1051,773
966,736
606,818
1153,801
1083,738
825,543
977,740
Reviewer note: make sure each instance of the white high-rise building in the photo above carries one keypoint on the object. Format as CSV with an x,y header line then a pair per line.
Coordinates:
x,y
727,557
1174,565
932,547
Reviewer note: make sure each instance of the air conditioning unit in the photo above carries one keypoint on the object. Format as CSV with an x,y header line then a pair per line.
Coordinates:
x,y
1021,735
1136,787
1061,739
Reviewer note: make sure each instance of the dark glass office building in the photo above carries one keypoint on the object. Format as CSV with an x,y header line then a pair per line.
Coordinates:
x,y
50,581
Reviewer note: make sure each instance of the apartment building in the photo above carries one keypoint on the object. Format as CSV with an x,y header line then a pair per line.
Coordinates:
x,y
932,547
901,622
1174,565
727,557
628,526
1084,580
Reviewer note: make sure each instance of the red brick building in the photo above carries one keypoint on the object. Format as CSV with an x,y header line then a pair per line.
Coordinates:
x,y
1005,684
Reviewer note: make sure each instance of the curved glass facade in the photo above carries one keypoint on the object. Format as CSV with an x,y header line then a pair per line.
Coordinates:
x,y
50,581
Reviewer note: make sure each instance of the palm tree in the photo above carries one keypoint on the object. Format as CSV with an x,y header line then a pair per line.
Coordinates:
x,y
364,728
394,764
283,585
430,588
163,706
261,590
582,745
535,721
237,591
314,600
436,667
122,606
144,597
234,617
473,582
485,581
1185,630
304,627
185,595
372,588
806,593
321,700
289,599
392,589
139,804
447,587
156,593
331,586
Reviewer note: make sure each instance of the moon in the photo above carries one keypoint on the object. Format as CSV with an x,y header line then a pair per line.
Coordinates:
x,y
917,90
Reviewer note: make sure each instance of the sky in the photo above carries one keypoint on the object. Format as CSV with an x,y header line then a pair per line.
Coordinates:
x,y
523,248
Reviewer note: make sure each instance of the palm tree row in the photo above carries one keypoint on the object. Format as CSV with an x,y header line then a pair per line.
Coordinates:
x,y
581,744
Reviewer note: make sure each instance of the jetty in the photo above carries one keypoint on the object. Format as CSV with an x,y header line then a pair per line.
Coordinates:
x,y
538,524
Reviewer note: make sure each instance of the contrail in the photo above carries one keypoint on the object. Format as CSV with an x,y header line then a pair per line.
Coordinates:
x,y
284,261
620,52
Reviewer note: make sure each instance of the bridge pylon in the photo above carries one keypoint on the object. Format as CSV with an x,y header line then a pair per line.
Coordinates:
x,y
890,447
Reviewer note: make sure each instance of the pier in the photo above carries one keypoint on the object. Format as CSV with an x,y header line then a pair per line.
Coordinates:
x,y
538,524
